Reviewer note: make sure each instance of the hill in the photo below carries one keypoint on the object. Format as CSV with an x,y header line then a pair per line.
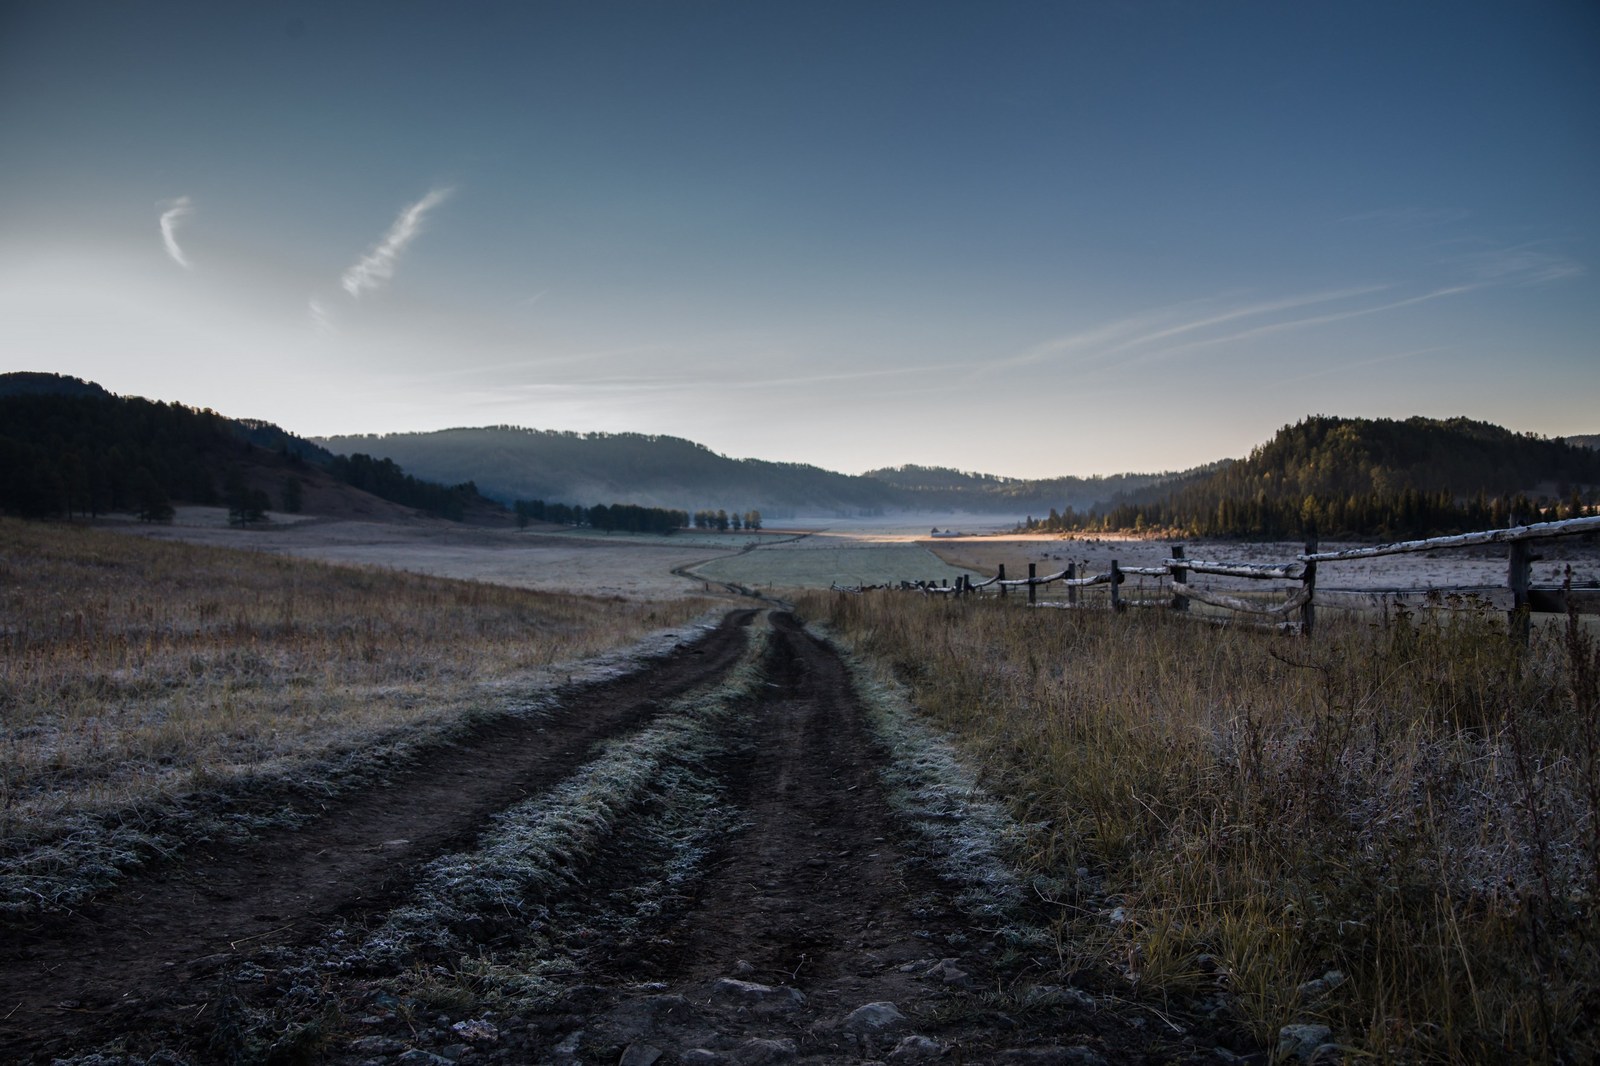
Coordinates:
x,y
512,463
1588,440
71,447
1368,477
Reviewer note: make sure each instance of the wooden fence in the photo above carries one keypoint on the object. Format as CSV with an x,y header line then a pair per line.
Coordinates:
x,y
1296,609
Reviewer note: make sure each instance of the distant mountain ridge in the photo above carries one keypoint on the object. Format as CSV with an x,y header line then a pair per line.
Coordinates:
x,y
68,445
514,462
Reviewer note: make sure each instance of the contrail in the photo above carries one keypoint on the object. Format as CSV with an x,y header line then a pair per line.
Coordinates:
x,y
377,266
177,211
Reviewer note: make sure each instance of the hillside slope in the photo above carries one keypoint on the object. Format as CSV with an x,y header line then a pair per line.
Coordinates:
x,y
70,447
1416,476
511,463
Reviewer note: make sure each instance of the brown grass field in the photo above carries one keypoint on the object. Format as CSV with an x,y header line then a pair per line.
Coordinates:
x,y
1389,829
136,672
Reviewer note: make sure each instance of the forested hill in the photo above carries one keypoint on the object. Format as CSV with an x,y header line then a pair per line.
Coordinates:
x,y
513,463
70,447
942,488
1369,477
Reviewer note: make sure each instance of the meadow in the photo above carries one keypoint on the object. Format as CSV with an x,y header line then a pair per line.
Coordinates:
x,y
141,679
1390,830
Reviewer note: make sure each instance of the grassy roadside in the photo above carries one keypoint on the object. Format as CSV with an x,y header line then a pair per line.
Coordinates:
x,y
140,681
1387,831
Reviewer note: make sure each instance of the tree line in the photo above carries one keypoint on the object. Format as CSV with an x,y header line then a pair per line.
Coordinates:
x,y
1365,478
66,455
630,517
1405,514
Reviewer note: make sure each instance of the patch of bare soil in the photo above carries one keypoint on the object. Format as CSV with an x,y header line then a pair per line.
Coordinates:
x,y
764,904
141,960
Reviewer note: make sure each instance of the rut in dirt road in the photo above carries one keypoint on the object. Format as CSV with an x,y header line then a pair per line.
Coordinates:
x,y
816,935
144,955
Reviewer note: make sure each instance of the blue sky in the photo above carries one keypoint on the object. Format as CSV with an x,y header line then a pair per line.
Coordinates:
x,y
1025,238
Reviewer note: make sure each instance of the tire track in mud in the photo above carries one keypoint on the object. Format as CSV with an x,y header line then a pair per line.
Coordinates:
x,y
124,962
808,922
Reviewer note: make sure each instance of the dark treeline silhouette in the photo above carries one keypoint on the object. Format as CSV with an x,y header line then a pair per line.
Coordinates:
x,y
84,452
384,479
631,517
90,455
1365,477
615,517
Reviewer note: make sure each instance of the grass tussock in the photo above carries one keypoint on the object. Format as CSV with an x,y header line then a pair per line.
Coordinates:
x,y
1391,830
134,672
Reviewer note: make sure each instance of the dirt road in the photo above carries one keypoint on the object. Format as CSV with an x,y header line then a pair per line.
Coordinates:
x,y
757,901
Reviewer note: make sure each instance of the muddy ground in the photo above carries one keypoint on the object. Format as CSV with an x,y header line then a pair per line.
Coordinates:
x,y
807,922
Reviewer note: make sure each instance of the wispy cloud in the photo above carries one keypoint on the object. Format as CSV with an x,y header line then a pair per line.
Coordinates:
x,y
1303,323
377,266
1102,343
321,318
1524,264
175,212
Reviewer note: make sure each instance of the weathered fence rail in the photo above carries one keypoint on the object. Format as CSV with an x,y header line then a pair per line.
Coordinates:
x,y
1301,596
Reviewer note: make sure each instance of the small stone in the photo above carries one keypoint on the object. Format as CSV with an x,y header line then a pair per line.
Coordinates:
x,y
1317,988
880,1017
455,1052
639,1055
418,1057
761,997
743,968
764,1052
1302,1042
947,971
476,1031
916,1049
699,1056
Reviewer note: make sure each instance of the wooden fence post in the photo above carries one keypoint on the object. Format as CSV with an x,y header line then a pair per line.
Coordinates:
x,y
1002,580
1180,575
1072,590
1308,582
1520,569
1033,590
1116,579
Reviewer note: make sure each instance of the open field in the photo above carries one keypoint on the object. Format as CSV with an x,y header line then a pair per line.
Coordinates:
x,y
638,568
370,825
260,806
820,559
137,673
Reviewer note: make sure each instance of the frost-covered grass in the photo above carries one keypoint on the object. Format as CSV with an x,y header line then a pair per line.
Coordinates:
x,y
817,562
648,801
968,837
1414,806
152,692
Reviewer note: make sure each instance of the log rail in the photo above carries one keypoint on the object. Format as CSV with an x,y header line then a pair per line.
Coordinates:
x,y
1301,597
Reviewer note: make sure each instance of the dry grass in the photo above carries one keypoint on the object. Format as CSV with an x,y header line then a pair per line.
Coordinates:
x,y
136,671
1232,816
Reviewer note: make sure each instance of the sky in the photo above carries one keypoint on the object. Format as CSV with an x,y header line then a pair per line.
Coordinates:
x,y
1029,239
